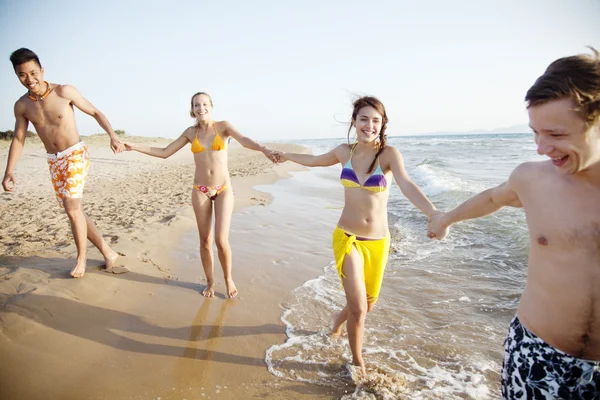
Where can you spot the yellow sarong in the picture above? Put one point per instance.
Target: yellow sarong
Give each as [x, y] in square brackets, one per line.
[374, 253]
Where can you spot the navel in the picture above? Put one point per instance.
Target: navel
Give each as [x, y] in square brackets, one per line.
[543, 241]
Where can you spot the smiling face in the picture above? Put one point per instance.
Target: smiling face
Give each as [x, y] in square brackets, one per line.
[368, 123]
[202, 107]
[31, 76]
[561, 133]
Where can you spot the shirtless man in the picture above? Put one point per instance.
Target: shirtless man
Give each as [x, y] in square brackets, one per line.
[49, 107]
[553, 345]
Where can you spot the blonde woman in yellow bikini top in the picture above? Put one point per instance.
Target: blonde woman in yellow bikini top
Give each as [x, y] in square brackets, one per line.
[212, 197]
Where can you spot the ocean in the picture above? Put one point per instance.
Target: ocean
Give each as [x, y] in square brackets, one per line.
[438, 328]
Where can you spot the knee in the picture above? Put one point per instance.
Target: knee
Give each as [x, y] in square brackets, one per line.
[206, 243]
[358, 312]
[72, 210]
[222, 244]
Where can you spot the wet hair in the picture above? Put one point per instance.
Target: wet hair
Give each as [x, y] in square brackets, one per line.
[370, 101]
[23, 55]
[192, 102]
[575, 77]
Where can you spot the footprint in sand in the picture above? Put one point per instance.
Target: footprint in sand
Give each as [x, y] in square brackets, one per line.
[117, 270]
[25, 288]
[166, 219]
[7, 276]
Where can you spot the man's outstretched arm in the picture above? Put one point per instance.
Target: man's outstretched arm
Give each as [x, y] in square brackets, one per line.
[480, 205]
[71, 93]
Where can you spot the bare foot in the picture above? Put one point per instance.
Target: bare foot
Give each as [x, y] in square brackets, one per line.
[358, 373]
[209, 291]
[110, 261]
[79, 270]
[361, 365]
[231, 289]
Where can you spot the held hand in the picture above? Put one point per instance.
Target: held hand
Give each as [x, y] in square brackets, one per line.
[9, 178]
[129, 146]
[279, 157]
[269, 154]
[433, 212]
[437, 227]
[116, 146]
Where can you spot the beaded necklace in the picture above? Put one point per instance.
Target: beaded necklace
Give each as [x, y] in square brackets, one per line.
[42, 97]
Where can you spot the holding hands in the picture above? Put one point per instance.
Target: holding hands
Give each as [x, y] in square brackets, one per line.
[129, 146]
[276, 156]
[437, 225]
[269, 154]
[116, 146]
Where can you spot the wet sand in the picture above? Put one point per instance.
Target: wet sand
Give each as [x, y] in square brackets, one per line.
[148, 333]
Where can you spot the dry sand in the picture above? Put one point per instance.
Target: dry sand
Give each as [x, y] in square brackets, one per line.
[146, 334]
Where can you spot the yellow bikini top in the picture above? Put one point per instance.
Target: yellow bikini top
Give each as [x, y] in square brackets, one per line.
[217, 144]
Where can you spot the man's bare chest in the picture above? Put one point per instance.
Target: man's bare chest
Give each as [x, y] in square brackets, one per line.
[565, 218]
[54, 113]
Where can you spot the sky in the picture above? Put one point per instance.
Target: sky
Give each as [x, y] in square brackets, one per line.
[283, 70]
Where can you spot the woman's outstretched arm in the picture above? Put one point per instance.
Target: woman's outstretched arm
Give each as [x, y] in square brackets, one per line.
[413, 193]
[161, 152]
[245, 141]
[322, 160]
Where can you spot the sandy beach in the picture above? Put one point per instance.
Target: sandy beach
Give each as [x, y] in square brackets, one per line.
[148, 333]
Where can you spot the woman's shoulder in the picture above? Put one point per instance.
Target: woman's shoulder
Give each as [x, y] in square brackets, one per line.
[389, 153]
[189, 132]
[346, 146]
[343, 148]
[223, 127]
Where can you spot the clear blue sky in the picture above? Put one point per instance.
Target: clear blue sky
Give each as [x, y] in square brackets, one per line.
[287, 70]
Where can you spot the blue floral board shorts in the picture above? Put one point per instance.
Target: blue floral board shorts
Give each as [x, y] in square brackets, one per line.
[532, 369]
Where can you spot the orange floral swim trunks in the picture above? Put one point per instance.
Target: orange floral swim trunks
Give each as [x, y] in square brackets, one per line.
[68, 170]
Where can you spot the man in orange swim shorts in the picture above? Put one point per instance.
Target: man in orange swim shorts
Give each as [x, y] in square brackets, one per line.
[49, 107]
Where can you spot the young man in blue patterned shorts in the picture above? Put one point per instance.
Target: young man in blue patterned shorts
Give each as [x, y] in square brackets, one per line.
[552, 350]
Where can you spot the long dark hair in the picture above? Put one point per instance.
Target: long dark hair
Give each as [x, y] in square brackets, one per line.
[370, 101]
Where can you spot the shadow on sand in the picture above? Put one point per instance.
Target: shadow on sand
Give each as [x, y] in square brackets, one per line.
[112, 327]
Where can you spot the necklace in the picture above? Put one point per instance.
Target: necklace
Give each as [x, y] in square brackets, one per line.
[42, 97]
